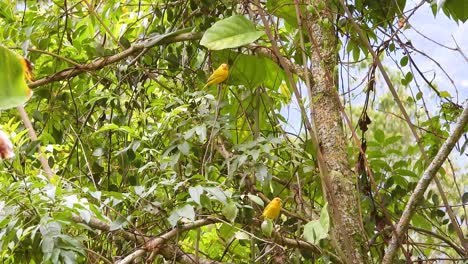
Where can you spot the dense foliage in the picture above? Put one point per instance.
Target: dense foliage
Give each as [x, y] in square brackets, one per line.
[140, 151]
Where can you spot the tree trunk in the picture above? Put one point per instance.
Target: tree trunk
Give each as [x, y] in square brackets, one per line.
[347, 224]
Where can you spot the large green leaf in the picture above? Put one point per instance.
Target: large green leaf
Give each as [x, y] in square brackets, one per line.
[251, 71]
[231, 32]
[284, 9]
[316, 230]
[14, 90]
[230, 211]
[456, 9]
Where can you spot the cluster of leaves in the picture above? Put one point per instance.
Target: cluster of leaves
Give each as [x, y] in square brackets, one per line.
[133, 152]
[139, 146]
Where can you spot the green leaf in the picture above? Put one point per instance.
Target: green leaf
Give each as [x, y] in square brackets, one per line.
[205, 202]
[201, 132]
[404, 172]
[232, 32]
[14, 90]
[68, 257]
[187, 211]
[284, 9]
[6, 11]
[435, 199]
[50, 229]
[420, 221]
[252, 71]
[47, 245]
[217, 193]
[195, 193]
[379, 136]
[457, 9]
[408, 78]
[267, 227]
[356, 53]
[316, 230]
[107, 127]
[241, 235]
[118, 223]
[230, 211]
[419, 96]
[445, 94]
[392, 140]
[284, 90]
[184, 148]
[465, 198]
[261, 173]
[404, 61]
[256, 199]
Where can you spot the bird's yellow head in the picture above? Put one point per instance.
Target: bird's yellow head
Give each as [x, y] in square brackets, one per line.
[277, 200]
[224, 66]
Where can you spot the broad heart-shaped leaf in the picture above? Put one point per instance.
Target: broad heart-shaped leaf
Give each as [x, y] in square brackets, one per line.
[13, 88]
[316, 230]
[231, 32]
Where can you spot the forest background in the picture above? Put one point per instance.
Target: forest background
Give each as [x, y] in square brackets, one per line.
[329, 105]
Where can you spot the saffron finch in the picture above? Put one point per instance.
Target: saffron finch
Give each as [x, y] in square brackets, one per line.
[218, 76]
[272, 210]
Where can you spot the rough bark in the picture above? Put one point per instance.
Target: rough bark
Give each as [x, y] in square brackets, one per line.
[326, 115]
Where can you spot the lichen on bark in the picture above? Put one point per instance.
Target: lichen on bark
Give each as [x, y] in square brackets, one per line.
[347, 223]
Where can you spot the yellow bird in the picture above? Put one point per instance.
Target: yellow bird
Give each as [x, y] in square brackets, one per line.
[218, 76]
[272, 210]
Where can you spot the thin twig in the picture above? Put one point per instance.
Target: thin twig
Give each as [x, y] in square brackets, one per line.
[32, 134]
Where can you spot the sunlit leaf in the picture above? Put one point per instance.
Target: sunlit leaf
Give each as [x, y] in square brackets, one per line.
[230, 211]
[316, 230]
[195, 193]
[267, 227]
[256, 199]
[231, 32]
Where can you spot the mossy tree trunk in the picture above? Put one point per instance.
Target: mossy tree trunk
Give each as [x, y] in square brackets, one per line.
[347, 227]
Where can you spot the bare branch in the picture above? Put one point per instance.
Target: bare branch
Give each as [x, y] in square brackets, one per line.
[422, 185]
[102, 62]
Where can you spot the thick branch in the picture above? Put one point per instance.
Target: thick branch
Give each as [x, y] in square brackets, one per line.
[423, 183]
[102, 62]
[168, 251]
[156, 243]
